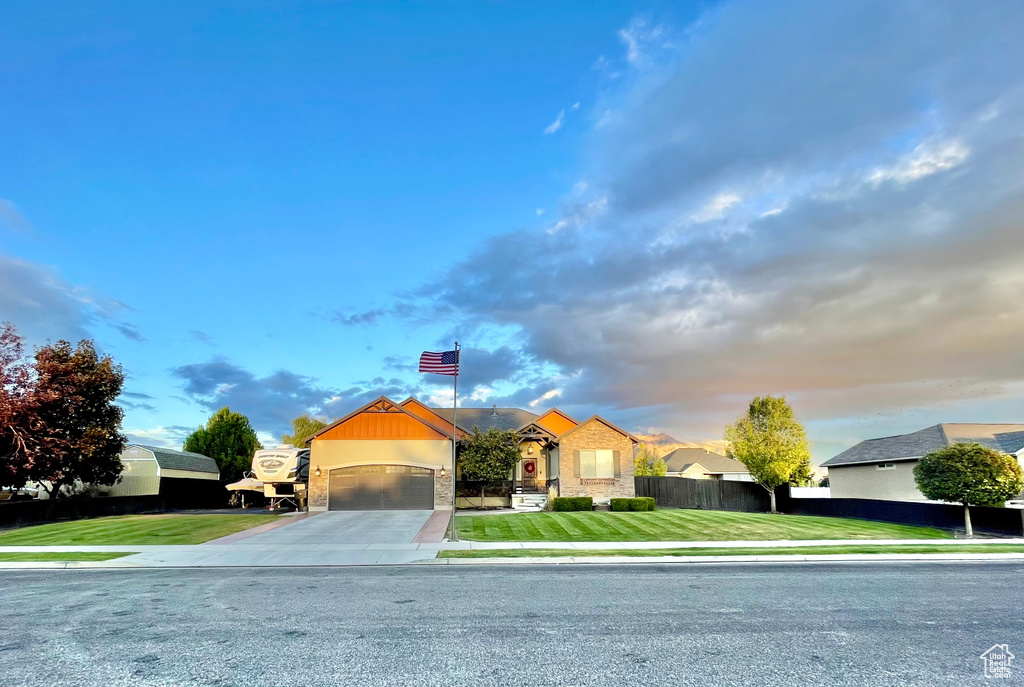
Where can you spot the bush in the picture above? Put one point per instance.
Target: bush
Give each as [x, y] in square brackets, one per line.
[620, 505]
[641, 503]
[573, 503]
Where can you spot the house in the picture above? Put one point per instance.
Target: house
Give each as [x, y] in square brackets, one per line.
[152, 470]
[389, 455]
[700, 463]
[884, 468]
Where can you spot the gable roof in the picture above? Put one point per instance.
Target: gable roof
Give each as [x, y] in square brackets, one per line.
[556, 422]
[169, 459]
[386, 405]
[713, 463]
[1008, 438]
[430, 414]
[606, 423]
[487, 418]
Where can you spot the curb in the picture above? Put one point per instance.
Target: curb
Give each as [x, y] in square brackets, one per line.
[588, 560]
[786, 558]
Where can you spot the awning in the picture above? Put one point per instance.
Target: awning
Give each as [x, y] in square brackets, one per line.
[247, 484]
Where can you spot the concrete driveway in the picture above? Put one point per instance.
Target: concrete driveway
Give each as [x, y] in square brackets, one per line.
[348, 527]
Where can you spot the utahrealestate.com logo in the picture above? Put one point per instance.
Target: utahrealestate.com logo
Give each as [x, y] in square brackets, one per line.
[997, 661]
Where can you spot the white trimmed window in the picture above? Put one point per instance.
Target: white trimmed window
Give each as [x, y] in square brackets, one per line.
[887, 466]
[597, 463]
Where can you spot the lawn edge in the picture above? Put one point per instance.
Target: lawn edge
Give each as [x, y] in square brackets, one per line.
[694, 560]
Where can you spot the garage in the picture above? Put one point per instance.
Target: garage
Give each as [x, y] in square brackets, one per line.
[381, 487]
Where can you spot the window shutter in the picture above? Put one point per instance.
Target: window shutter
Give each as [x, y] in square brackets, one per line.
[615, 460]
[576, 463]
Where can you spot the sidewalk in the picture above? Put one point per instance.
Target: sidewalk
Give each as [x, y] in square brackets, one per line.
[241, 554]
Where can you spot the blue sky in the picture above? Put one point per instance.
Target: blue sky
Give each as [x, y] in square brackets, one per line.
[651, 211]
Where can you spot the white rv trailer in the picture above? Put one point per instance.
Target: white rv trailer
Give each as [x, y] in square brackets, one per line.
[284, 472]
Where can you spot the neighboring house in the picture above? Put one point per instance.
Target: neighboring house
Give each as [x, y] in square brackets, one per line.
[389, 455]
[884, 468]
[150, 470]
[700, 463]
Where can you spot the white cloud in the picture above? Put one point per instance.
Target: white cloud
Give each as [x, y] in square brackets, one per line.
[546, 396]
[575, 106]
[555, 125]
[165, 437]
[637, 35]
[540, 211]
[580, 215]
[716, 207]
[926, 159]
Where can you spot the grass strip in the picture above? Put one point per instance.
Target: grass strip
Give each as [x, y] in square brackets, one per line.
[734, 551]
[134, 530]
[62, 557]
[679, 525]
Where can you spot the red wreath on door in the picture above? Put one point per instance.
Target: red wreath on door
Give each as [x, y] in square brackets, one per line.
[528, 468]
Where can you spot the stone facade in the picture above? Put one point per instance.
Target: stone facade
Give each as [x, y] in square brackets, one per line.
[442, 490]
[594, 434]
[316, 496]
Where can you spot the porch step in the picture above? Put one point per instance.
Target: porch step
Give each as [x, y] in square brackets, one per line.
[529, 501]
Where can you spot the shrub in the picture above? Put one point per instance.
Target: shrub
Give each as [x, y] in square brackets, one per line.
[641, 503]
[620, 504]
[573, 503]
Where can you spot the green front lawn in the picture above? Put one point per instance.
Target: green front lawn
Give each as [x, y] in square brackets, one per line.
[678, 525]
[738, 551]
[134, 529]
[47, 557]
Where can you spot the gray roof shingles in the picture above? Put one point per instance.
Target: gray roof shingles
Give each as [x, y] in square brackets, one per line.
[682, 458]
[486, 418]
[1007, 438]
[169, 459]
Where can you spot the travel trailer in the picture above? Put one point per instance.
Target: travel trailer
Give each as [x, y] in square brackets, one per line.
[284, 473]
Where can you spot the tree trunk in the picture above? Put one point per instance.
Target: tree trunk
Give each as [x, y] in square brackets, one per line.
[483, 488]
[967, 521]
[771, 493]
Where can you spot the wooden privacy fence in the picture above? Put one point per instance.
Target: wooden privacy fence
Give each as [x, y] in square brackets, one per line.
[706, 494]
[998, 521]
[175, 494]
[710, 494]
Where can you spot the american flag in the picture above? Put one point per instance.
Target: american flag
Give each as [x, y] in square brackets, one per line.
[446, 363]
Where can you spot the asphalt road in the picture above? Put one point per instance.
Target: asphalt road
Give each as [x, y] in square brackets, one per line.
[707, 625]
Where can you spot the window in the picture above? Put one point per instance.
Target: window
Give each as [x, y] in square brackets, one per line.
[887, 466]
[597, 464]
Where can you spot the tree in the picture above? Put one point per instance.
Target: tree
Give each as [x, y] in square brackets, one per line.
[770, 441]
[488, 456]
[303, 427]
[803, 475]
[21, 429]
[229, 439]
[648, 463]
[823, 482]
[74, 394]
[971, 474]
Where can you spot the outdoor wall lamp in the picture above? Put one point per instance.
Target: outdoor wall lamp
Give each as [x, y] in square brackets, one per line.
[442, 471]
[317, 471]
[529, 449]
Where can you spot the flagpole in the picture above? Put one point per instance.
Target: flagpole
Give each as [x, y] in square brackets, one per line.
[452, 536]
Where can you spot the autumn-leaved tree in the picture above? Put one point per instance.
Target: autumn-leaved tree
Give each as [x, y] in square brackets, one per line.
[75, 389]
[488, 457]
[970, 474]
[648, 463]
[229, 439]
[303, 427]
[22, 434]
[770, 441]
